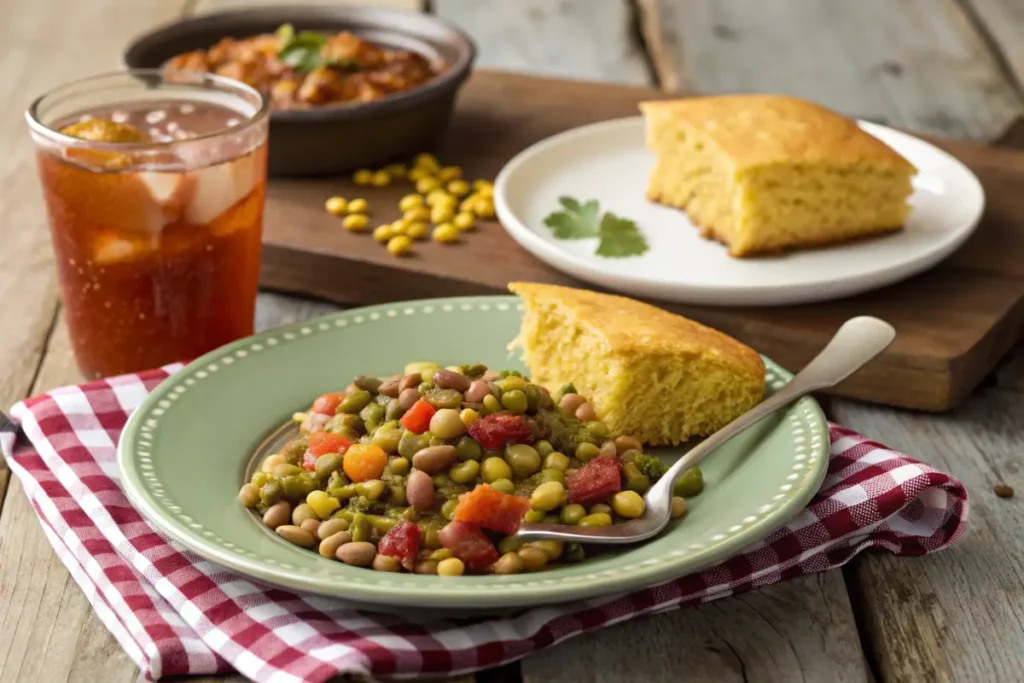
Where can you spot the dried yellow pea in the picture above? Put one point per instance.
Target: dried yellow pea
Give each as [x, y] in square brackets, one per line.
[399, 245]
[358, 206]
[445, 233]
[336, 206]
[363, 176]
[356, 222]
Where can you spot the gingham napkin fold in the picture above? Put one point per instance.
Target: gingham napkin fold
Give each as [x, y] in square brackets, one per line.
[176, 613]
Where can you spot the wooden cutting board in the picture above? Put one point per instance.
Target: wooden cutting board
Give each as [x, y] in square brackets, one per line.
[954, 322]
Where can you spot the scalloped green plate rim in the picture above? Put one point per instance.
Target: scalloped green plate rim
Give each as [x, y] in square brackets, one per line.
[183, 454]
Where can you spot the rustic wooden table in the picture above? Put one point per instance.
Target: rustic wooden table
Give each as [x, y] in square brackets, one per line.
[947, 67]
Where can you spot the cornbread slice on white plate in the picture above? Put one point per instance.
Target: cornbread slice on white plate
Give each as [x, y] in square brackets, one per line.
[609, 163]
[649, 373]
[764, 173]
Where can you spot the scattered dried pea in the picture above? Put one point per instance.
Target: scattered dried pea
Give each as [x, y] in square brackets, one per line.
[416, 230]
[464, 221]
[437, 196]
[396, 170]
[418, 173]
[356, 222]
[486, 190]
[409, 202]
[459, 188]
[442, 213]
[336, 206]
[383, 233]
[381, 179]
[449, 173]
[399, 245]
[484, 207]
[480, 182]
[418, 213]
[363, 176]
[427, 160]
[427, 183]
[445, 233]
[358, 206]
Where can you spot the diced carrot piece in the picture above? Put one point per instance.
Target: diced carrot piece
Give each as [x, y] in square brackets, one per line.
[364, 462]
[326, 442]
[417, 418]
[328, 403]
[492, 509]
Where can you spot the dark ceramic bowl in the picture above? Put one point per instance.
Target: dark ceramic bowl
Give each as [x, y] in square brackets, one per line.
[341, 137]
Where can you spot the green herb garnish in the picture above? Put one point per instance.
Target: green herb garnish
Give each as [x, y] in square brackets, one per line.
[301, 50]
[619, 237]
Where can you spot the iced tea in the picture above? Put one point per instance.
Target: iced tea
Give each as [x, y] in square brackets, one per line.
[154, 184]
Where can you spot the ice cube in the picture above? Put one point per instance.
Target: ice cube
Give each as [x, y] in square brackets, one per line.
[218, 188]
[170, 191]
[110, 248]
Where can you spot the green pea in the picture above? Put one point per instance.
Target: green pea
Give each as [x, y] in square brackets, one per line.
[586, 451]
[467, 448]
[493, 469]
[509, 544]
[544, 447]
[345, 423]
[360, 527]
[515, 401]
[690, 483]
[372, 489]
[635, 479]
[430, 531]
[474, 370]
[297, 487]
[397, 497]
[373, 415]
[534, 516]
[464, 472]
[598, 430]
[393, 411]
[410, 444]
[596, 519]
[271, 492]
[573, 552]
[503, 485]
[533, 398]
[294, 451]
[381, 524]
[441, 480]
[511, 383]
[491, 404]
[569, 388]
[444, 398]
[342, 492]
[387, 439]
[448, 509]
[260, 478]
[556, 461]
[399, 466]
[327, 463]
[523, 459]
[552, 475]
[572, 514]
[355, 401]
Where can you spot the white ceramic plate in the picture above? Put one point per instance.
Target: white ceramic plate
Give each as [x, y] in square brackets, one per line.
[608, 161]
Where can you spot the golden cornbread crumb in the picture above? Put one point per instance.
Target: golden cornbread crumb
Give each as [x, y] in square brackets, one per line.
[648, 373]
[763, 173]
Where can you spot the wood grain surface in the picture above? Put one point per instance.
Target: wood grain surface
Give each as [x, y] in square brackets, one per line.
[954, 616]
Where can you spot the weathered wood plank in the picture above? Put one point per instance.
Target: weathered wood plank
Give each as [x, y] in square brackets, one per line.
[957, 615]
[587, 39]
[203, 6]
[1002, 22]
[796, 630]
[917, 63]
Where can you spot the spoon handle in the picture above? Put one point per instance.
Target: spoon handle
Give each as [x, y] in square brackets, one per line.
[854, 344]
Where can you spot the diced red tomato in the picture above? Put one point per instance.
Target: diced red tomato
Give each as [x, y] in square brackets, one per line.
[492, 432]
[595, 482]
[417, 418]
[328, 403]
[490, 508]
[468, 543]
[403, 542]
[320, 443]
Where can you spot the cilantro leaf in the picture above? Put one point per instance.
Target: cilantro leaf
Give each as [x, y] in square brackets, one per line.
[620, 237]
[576, 221]
[302, 51]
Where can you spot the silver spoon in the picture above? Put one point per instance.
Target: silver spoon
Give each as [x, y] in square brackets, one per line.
[854, 344]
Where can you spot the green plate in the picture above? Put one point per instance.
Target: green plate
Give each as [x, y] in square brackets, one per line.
[184, 454]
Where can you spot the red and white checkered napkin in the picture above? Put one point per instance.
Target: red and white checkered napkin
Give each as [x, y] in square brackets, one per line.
[175, 613]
